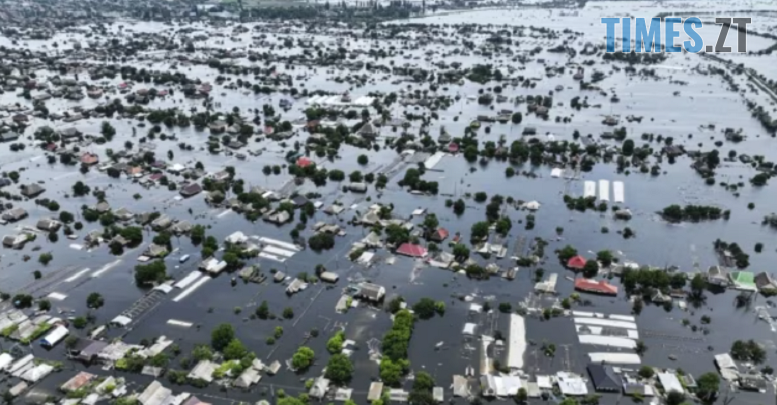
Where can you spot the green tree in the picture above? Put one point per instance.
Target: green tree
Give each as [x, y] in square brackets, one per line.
[302, 358]
[335, 343]
[108, 131]
[423, 381]
[605, 256]
[45, 258]
[263, 310]
[698, 284]
[460, 251]
[641, 347]
[44, 305]
[675, 398]
[222, 336]
[94, 301]
[431, 223]
[707, 386]
[202, 352]
[133, 234]
[591, 269]
[459, 206]
[80, 189]
[66, 217]
[628, 147]
[522, 396]
[150, 273]
[678, 280]
[197, 234]
[396, 234]
[566, 253]
[425, 308]
[289, 400]
[80, 322]
[235, 350]
[390, 372]
[339, 369]
[479, 231]
[646, 372]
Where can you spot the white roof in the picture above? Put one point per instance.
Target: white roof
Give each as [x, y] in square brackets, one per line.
[556, 172]
[55, 336]
[237, 237]
[606, 322]
[611, 341]
[507, 385]
[615, 358]
[122, 320]
[37, 373]
[544, 382]
[571, 384]
[154, 394]
[19, 364]
[5, 360]
[473, 307]
[203, 370]
[517, 342]
[724, 361]
[670, 382]
[469, 328]
[532, 205]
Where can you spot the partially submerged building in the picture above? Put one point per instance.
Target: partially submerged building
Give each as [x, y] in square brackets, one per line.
[371, 292]
[601, 287]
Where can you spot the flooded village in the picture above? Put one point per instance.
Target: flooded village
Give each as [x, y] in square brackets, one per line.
[383, 202]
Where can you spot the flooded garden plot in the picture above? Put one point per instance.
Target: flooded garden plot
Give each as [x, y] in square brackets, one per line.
[422, 210]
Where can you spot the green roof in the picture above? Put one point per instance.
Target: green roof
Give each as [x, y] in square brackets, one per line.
[743, 278]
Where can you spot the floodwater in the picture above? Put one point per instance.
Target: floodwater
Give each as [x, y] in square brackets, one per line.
[702, 101]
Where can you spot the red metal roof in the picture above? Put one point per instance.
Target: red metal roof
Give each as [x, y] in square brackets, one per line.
[453, 148]
[409, 249]
[597, 287]
[304, 162]
[442, 233]
[576, 262]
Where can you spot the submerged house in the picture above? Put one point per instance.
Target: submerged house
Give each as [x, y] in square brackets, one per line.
[32, 190]
[48, 225]
[576, 263]
[718, 276]
[15, 241]
[439, 235]
[371, 292]
[604, 378]
[743, 280]
[412, 250]
[15, 214]
[190, 190]
[596, 287]
[765, 283]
